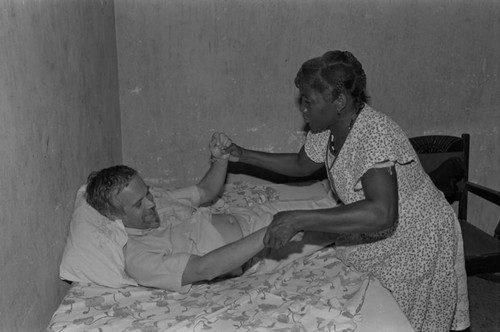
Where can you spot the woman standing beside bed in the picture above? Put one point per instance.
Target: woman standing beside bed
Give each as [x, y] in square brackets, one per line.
[393, 222]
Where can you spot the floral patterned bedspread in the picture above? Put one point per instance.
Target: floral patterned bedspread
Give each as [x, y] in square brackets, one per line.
[244, 194]
[314, 293]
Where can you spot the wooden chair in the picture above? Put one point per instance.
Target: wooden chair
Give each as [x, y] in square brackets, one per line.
[446, 160]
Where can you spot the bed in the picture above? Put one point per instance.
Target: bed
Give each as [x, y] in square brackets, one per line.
[305, 292]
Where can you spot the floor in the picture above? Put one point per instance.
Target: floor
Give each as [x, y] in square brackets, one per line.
[484, 304]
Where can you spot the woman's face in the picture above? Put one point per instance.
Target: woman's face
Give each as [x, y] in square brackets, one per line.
[318, 112]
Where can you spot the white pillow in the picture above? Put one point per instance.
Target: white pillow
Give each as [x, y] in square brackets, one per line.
[94, 248]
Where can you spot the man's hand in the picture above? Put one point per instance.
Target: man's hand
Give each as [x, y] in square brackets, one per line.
[229, 150]
[218, 145]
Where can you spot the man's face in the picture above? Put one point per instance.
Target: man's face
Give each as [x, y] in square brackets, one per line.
[138, 205]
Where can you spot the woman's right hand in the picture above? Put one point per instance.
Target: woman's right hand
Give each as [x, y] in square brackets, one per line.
[234, 151]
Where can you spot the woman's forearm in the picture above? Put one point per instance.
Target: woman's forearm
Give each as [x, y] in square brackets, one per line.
[378, 211]
[290, 164]
[360, 217]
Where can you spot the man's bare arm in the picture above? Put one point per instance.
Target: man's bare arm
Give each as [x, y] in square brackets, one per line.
[213, 182]
[224, 259]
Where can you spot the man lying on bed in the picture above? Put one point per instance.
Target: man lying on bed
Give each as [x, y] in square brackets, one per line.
[173, 243]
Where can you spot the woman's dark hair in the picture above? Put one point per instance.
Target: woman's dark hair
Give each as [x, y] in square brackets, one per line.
[338, 70]
[104, 185]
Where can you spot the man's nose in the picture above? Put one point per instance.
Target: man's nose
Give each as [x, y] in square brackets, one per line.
[149, 203]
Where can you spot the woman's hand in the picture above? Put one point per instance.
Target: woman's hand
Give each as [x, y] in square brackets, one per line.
[218, 145]
[235, 152]
[282, 229]
[227, 148]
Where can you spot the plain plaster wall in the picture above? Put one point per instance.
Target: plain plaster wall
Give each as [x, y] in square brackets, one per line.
[59, 120]
[189, 68]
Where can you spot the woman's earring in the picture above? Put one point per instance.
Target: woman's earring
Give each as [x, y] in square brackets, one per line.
[339, 103]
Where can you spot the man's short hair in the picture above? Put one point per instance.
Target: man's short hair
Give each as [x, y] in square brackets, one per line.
[103, 186]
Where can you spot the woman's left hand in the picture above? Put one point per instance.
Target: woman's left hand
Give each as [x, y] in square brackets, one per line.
[281, 230]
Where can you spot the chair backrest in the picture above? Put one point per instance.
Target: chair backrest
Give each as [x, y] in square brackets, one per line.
[446, 160]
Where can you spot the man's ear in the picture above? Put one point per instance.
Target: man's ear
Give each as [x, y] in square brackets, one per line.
[114, 209]
[113, 213]
[111, 216]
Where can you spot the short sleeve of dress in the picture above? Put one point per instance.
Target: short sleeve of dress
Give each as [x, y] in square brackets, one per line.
[378, 142]
[316, 145]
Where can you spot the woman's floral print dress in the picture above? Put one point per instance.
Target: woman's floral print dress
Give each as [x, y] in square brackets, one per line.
[417, 258]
